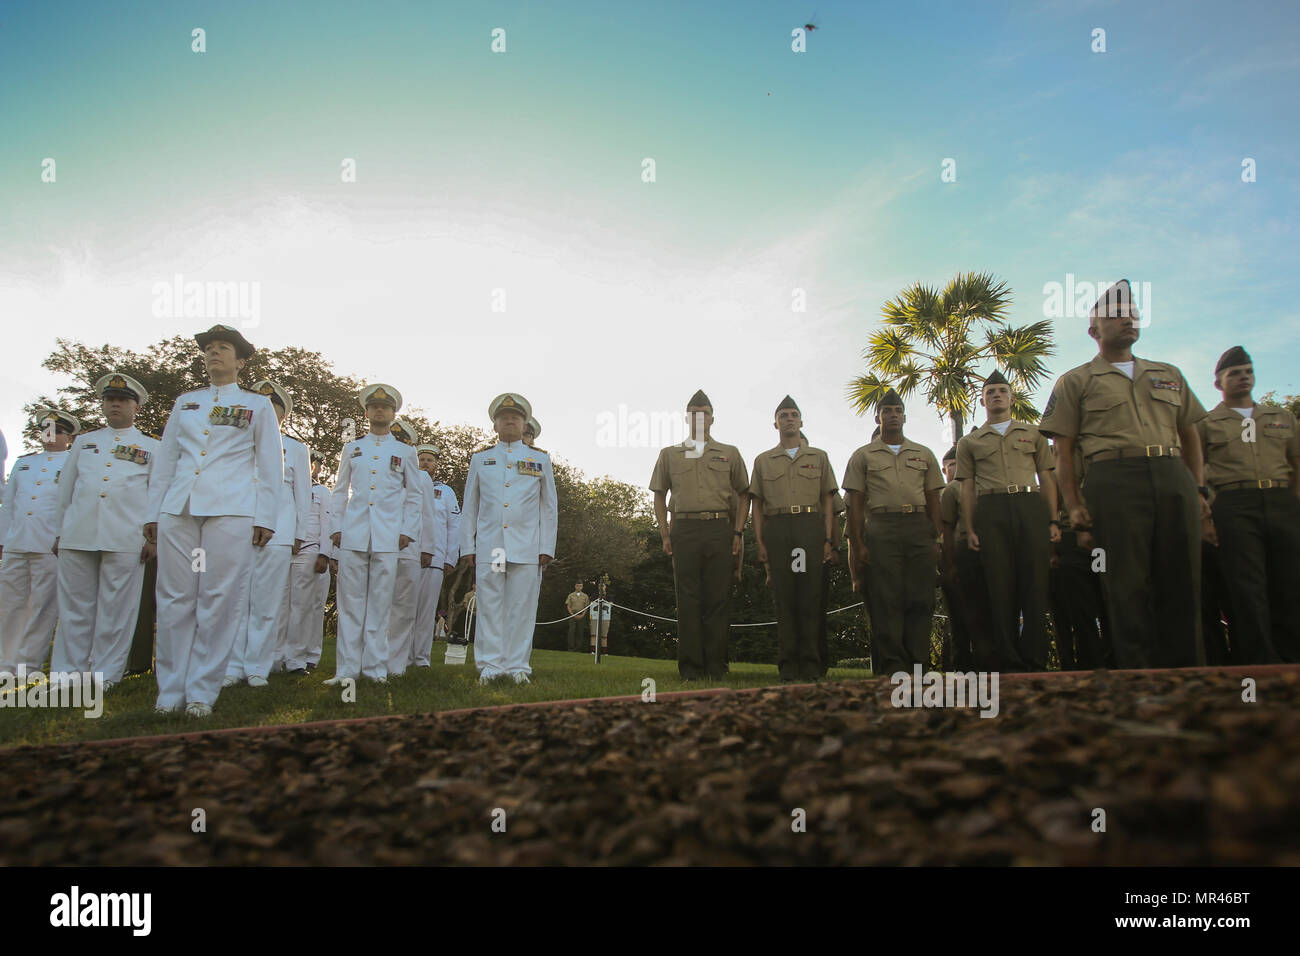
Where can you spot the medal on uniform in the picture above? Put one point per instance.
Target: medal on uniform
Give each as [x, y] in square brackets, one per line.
[395, 463]
[529, 467]
[131, 453]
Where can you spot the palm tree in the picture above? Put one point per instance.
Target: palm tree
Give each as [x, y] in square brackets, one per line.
[927, 343]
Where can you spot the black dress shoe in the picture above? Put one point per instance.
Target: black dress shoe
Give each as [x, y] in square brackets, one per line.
[310, 668]
[298, 672]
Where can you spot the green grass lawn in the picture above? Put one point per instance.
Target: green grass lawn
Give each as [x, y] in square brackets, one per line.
[557, 675]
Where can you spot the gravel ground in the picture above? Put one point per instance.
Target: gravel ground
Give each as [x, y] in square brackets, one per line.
[1186, 773]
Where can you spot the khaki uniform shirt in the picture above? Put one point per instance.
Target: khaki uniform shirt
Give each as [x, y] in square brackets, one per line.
[995, 461]
[893, 481]
[1098, 405]
[710, 482]
[781, 482]
[950, 509]
[577, 601]
[1229, 457]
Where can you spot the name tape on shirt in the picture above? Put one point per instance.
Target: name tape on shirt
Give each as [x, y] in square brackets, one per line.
[190, 407]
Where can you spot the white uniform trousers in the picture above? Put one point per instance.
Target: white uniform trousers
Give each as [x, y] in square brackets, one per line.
[365, 586]
[306, 617]
[29, 609]
[317, 639]
[401, 620]
[99, 601]
[426, 615]
[257, 648]
[199, 612]
[507, 615]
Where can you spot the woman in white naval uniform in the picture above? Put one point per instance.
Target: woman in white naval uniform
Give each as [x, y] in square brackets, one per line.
[446, 517]
[309, 582]
[508, 533]
[103, 504]
[380, 518]
[411, 564]
[29, 591]
[257, 647]
[205, 508]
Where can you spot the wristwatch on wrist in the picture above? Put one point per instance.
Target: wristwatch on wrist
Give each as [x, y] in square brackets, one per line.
[1205, 492]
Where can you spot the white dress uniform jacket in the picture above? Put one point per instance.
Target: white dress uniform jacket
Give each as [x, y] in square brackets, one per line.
[510, 503]
[382, 475]
[104, 490]
[215, 440]
[448, 510]
[294, 502]
[29, 513]
[316, 538]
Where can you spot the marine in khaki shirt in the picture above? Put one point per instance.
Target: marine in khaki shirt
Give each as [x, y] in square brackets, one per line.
[708, 485]
[1252, 458]
[1134, 420]
[897, 482]
[1002, 466]
[791, 493]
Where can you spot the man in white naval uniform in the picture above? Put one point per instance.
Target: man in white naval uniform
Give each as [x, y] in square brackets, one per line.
[103, 504]
[29, 604]
[309, 582]
[412, 562]
[380, 519]
[205, 507]
[508, 534]
[446, 512]
[257, 648]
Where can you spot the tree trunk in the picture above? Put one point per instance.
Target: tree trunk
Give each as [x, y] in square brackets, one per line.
[958, 423]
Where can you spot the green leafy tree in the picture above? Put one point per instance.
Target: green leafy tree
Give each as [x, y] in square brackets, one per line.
[934, 342]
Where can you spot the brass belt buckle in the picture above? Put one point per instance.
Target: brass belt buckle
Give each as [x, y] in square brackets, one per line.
[1012, 489]
[908, 509]
[1158, 453]
[795, 509]
[1266, 483]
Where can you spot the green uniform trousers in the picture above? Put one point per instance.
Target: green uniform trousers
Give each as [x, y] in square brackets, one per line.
[973, 597]
[900, 590]
[141, 656]
[1216, 609]
[1259, 552]
[1146, 518]
[1015, 552]
[795, 545]
[1078, 613]
[702, 568]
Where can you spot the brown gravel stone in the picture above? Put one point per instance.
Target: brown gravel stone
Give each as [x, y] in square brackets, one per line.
[1186, 773]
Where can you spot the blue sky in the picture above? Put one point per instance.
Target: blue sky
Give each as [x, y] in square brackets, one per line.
[521, 171]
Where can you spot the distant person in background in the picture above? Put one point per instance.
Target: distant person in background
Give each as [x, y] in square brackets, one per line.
[576, 603]
[600, 611]
[4, 457]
